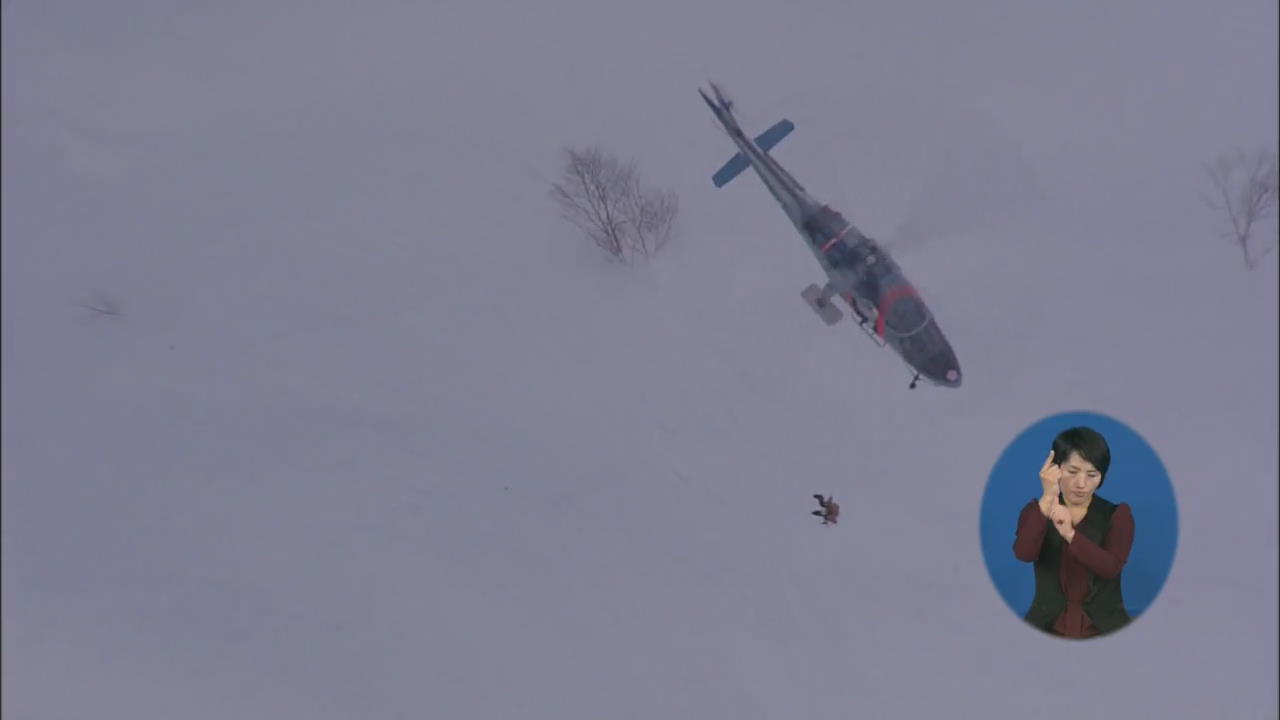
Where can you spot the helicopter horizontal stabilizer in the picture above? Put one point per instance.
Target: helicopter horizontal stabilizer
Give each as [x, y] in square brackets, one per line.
[766, 140]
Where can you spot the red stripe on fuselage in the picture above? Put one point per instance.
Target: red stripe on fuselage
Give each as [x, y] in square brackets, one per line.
[895, 293]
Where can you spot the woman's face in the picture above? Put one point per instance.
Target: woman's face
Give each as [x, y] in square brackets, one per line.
[1078, 480]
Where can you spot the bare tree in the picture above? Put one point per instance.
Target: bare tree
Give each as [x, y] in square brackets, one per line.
[604, 198]
[1245, 192]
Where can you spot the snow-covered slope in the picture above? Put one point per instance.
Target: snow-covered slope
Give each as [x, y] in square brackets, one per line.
[376, 435]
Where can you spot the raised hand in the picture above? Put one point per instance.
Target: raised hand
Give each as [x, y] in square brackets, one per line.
[1049, 476]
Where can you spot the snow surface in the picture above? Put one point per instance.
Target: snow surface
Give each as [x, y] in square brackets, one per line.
[376, 435]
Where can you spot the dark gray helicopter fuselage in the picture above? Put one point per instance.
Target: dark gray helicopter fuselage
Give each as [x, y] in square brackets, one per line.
[858, 269]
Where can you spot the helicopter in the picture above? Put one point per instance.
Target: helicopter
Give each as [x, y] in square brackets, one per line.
[858, 270]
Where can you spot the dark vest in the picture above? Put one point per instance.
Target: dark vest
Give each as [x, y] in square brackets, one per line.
[1103, 604]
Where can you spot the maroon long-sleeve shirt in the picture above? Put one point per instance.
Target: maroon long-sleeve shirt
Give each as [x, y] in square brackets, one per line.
[1079, 558]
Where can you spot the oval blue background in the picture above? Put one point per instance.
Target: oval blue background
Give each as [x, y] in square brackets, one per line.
[1136, 477]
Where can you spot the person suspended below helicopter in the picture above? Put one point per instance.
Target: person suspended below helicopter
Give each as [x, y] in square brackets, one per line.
[830, 512]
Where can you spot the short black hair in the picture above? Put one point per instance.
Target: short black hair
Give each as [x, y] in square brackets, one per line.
[1089, 443]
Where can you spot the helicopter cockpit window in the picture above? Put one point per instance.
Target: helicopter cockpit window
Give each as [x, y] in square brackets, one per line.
[907, 316]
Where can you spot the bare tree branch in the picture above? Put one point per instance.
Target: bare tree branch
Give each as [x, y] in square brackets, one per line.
[1245, 189]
